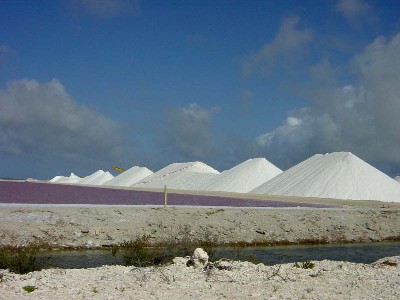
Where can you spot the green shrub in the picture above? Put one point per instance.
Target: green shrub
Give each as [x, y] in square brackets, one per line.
[22, 260]
[29, 288]
[138, 253]
[305, 265]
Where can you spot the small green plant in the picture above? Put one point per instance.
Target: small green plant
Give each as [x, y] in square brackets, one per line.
[94, 290]
[138, 253]
[304, 265]
[29, 288]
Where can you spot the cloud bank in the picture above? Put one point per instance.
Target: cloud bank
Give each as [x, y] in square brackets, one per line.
[41, 121]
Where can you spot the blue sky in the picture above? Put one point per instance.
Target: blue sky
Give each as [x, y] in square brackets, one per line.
[86, 84]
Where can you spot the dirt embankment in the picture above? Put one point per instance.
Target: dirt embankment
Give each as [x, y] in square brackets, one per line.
[100, 226]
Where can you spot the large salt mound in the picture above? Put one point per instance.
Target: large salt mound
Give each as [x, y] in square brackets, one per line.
[244, 177]
[397, 178]
[339, 175]
[97, 178]
[130, 176]
[182, 176]
[72, 178]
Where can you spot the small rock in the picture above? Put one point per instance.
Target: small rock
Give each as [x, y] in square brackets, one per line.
[180, 260]
[223, 265]
[199, 259]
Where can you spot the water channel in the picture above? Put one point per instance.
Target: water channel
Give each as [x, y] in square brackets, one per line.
[361, 253]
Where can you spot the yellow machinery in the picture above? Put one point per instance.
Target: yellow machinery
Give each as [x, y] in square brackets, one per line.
[118, 169]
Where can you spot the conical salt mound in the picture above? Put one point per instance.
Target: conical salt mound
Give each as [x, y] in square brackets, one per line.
[130, 176]
[182, 176]
[339, 175]
[397, 178]
[244, 177]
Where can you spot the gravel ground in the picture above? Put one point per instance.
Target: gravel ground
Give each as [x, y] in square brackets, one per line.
[239, 280]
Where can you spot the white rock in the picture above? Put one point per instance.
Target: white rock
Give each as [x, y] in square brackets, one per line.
[199, 258]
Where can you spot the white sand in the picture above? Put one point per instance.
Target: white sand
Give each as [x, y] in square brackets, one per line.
[244, 177]
[130, 176]
[339, 175]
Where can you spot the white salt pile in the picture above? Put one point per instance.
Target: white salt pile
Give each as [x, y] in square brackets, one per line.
[54, 179]
[244, 177]
[339, 175]
[72, 178]
[97, 178]
[130, 176]
[183, 176]
[397, 178]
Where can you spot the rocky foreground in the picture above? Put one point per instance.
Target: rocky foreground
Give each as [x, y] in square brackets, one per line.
[203, 280]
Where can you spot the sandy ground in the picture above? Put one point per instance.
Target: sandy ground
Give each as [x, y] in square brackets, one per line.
[99, 226]
[242, 280]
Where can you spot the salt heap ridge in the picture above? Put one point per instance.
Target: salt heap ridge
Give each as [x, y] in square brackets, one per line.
[181, 176]
[130, 176]
[339, 175]
[244, 177]
[72, 178]
[397, 178]
[97, 178]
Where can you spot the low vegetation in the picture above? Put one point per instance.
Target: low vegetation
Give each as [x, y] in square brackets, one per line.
[305, 265]
[29, 288]
[23, 260]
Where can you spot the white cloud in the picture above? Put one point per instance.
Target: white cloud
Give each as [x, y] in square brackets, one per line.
[288, 42]
[187, 133]
[103, 8]
[362, 117]
[355, 11]
[40, 120]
